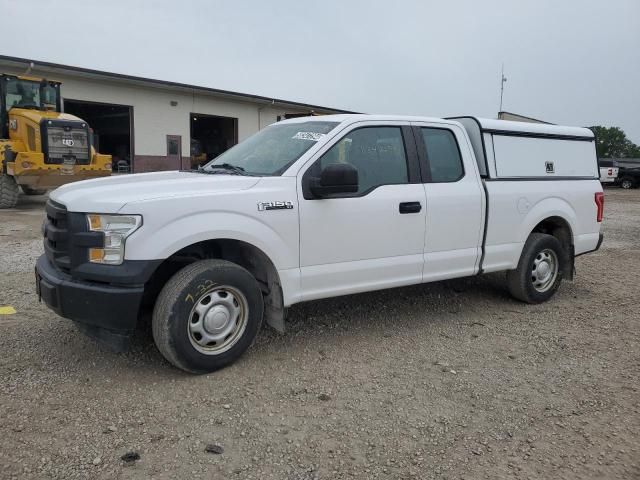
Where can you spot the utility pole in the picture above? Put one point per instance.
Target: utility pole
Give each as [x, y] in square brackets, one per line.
[503, 80]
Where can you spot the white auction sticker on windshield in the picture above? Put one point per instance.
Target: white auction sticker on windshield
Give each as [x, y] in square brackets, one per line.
[313, 136]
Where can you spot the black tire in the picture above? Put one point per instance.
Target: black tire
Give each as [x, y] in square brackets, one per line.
[175, 309]
[521, 280]
[627, 183]
[33, 191]
[8, 191]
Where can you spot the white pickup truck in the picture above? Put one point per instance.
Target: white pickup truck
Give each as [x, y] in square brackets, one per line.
[608, 171]
[312, 208]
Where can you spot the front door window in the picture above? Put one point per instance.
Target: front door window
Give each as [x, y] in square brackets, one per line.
[377, 153]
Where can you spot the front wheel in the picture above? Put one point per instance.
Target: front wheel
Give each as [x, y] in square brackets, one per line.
[540, 269]
[207, 315]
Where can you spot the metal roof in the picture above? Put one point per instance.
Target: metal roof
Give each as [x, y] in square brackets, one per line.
[17, 62]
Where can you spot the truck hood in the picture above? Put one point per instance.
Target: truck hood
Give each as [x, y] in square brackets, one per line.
[108, 195]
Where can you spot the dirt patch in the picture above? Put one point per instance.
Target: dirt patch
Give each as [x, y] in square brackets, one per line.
[446, 380]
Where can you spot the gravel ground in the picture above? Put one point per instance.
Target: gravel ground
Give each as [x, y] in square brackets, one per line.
[448, 380]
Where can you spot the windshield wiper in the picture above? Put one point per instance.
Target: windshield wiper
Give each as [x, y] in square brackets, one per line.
[224, 168]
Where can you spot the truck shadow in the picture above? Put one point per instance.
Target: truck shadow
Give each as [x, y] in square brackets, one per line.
[403, 306]
[427, 309]
[407, 307]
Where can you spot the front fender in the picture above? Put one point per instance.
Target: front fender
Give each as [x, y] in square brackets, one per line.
[155, 241]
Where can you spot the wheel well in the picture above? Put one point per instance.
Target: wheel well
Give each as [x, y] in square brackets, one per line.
[559, 228]
[241, 253]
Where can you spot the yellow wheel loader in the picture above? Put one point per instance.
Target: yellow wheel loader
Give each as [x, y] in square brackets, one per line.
[40, 147]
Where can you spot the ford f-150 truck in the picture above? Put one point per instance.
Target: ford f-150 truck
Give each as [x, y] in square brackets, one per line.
[312, 208]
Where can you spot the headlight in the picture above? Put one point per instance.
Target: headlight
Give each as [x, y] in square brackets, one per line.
[116, 229]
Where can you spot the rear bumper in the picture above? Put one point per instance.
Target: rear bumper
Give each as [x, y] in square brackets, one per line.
[107, 313]
[600, 240]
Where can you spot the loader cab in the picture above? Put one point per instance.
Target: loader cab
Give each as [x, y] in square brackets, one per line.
[28, 93]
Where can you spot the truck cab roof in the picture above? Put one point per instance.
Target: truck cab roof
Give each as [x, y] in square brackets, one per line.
[486, 135]
[487, 124]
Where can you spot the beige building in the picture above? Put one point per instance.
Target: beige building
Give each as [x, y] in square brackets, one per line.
[149, 124]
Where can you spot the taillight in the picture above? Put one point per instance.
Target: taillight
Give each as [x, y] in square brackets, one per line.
[599, 198]
[610, 173]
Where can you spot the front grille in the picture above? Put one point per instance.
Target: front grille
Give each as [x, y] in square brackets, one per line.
[56, 235]
[66, 142]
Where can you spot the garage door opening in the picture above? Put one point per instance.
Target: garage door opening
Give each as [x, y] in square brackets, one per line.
[210, 136]
[111, 125]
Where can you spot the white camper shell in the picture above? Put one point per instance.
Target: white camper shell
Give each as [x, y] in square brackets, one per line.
[512, 150]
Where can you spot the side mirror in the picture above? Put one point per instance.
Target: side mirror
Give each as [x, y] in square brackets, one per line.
[335, 178]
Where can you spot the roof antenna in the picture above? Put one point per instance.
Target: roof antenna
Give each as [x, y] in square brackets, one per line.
[503, 80]
[31, 65]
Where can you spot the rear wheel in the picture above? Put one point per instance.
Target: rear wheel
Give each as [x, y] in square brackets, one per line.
[627, 183]
[33, 191]
[540, 269]
[207, 315]
[8, 191]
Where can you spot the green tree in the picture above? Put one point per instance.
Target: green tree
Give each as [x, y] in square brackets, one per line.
[612, 142]
[634, 151]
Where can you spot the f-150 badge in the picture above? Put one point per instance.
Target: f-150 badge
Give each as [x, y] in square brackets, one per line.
[275, 206]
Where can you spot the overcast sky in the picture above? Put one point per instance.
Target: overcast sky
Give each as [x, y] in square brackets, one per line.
[574, 62]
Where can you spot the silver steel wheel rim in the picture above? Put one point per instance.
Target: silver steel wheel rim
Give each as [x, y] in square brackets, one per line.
[217, 320]
[544, 270]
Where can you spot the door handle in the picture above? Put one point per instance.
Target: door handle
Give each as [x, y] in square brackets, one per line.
[410, 207]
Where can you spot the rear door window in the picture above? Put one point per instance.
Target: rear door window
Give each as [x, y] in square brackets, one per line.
[443, 155]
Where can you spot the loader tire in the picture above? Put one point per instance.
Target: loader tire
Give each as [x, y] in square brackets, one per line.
[8, 191]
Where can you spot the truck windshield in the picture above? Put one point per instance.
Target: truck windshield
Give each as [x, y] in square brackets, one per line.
[29, 94]
[272, 150]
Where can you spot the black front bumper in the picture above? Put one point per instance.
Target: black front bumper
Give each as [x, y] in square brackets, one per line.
[105, 312]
